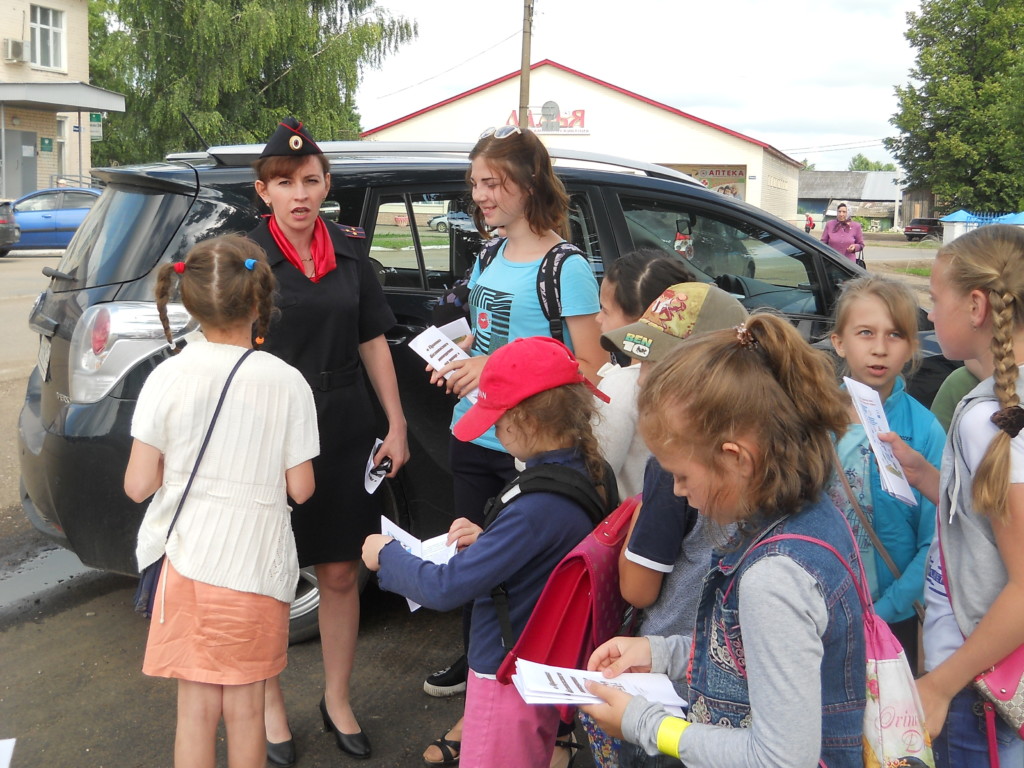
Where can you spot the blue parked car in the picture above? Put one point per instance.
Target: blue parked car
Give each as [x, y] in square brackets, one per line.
[48, 218]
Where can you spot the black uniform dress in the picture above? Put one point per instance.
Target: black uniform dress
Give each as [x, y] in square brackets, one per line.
[319, 332]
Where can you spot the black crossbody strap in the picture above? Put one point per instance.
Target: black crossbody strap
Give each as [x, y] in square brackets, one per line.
[206, 440]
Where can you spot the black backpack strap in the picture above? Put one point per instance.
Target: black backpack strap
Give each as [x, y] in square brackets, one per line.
[490, 251]
[548, 478]
[454, 303]
[549, 286]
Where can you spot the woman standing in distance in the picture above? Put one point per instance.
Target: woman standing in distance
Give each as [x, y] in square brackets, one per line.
[844, 234]
[516, 191]
[332, 323]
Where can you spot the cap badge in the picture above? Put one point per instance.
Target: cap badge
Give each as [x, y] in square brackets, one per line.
[637, 346]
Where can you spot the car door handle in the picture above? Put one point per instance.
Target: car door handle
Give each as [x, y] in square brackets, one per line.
[401, 332]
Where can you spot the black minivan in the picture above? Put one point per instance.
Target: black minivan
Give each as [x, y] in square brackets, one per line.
[99, 335]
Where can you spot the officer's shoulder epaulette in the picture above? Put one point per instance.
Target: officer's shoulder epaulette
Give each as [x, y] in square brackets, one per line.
[350, 231]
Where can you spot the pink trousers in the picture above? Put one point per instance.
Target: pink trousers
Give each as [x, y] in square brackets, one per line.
[502, 729]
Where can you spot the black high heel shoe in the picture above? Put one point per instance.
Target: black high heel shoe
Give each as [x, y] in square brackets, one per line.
[355, 744]
[281, 754]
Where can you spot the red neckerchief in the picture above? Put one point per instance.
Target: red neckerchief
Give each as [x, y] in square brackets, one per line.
[319, 248]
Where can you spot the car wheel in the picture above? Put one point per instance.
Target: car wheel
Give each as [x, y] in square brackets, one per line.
[441, 226]
[304, 617]
[4, 252]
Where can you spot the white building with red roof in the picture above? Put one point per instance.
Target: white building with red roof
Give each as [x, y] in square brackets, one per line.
[573, 110]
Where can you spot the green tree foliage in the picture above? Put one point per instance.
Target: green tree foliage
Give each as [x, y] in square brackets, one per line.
[808, 166]
[860, 163]
[960, 120]
[234, 67]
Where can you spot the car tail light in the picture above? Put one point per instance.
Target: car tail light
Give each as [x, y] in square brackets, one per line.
[101, 331]
[111, 339]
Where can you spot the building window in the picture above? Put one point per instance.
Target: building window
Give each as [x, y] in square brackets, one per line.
[47, 37]
[62, 138]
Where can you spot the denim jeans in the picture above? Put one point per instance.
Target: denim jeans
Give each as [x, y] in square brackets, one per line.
[963, 742]
[632, 756]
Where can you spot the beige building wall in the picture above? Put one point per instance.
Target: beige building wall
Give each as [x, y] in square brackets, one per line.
[74, 148]
[779, 185]
[609, 121]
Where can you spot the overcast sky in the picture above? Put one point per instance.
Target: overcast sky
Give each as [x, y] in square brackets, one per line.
[813, 79]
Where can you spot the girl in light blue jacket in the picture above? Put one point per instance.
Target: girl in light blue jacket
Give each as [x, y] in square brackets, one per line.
[876, 335]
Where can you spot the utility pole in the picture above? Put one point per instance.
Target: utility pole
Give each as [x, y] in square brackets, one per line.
[524, 70]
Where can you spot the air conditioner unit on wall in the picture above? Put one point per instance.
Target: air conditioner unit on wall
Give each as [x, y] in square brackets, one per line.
[17, 50]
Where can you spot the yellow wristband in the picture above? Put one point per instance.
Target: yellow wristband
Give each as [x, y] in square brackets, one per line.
[669, 731]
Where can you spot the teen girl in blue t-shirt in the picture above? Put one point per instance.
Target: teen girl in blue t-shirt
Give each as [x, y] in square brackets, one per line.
[516, 192]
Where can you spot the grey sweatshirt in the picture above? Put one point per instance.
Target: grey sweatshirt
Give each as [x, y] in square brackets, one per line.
[784, 617]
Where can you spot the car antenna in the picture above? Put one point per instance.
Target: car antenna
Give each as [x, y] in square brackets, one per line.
[195, 130]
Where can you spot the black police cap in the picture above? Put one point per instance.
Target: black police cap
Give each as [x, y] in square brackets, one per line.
[291, 139]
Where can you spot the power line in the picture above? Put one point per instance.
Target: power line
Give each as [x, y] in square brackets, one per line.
[838, 147]
[454, 66]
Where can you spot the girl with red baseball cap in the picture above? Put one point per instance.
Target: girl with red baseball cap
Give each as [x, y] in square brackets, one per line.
[542, 407]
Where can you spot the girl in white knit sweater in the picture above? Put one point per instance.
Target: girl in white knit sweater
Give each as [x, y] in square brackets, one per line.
[220, 623]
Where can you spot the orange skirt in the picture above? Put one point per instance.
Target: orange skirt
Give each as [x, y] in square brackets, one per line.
[214, 635]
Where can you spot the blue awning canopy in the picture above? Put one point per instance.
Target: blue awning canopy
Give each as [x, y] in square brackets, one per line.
[960, 215]
[1010, 218]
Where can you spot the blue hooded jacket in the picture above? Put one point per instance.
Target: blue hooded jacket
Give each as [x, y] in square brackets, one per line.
[905, 531]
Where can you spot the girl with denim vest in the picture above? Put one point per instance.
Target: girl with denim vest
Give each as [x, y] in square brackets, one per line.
[744, 419]
[974, 588]
[875, 334]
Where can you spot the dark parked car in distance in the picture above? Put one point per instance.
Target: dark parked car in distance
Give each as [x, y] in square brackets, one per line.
[923, 229]
[99, 334]
[10, 233]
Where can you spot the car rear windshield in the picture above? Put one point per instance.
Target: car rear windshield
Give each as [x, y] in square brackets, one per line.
[122, 237]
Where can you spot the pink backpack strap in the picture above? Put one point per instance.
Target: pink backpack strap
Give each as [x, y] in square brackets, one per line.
[865, 602]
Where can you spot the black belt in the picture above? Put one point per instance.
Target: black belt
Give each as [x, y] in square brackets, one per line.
[325, 381]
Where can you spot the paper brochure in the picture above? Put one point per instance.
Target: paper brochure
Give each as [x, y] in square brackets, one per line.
[543, 684]
[439, 350]
[872, 416]
[435, 550]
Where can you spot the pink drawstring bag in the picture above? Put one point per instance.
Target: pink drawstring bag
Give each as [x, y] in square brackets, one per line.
[894, 732]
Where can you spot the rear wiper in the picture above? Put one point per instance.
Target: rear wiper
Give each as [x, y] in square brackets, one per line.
[51, 272]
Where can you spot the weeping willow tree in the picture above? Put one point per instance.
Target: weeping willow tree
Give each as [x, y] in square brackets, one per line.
[233, 67]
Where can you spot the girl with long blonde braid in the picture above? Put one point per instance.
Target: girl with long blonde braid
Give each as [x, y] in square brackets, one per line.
[974, 589]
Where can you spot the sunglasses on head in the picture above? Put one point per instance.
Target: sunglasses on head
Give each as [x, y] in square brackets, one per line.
[500, 133]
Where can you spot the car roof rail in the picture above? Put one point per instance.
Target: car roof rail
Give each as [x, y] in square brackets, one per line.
[238, 155]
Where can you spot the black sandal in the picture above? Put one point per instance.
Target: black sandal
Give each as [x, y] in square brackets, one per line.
[572, 745]
[449, 748]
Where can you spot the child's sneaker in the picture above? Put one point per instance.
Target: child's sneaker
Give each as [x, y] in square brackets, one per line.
[448, 681]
